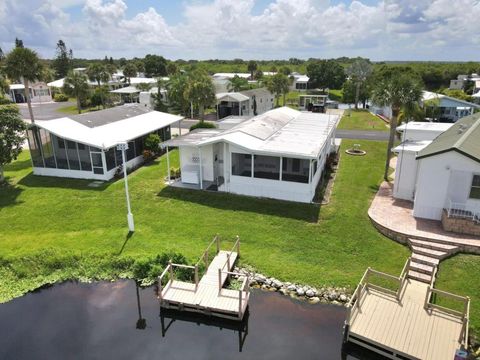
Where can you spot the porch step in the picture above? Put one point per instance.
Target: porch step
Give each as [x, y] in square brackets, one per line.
[434, 245]
[427, 260]
[420, 276]
[429, 252]
[421, 268]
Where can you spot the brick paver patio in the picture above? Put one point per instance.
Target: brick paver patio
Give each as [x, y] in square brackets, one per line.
[397, 216]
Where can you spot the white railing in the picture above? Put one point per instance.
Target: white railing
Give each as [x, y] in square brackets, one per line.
[462, 210]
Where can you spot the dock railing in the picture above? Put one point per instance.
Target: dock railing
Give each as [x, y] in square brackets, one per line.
[205, 256]
[368, 282]
[431, 299]
[170, 270]
[243, 290]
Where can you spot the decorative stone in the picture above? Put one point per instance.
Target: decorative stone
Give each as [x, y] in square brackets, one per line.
[292, 288]
[277, 283]
[314, 300]
[343, 298]
[310, 293]
[300, 292]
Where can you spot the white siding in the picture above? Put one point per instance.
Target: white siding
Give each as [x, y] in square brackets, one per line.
[405, 176]
[438, 179]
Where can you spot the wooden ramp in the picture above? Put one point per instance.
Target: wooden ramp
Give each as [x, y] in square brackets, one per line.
[405, 322]
[207, 295]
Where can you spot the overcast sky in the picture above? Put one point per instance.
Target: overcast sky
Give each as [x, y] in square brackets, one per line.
[248, 29]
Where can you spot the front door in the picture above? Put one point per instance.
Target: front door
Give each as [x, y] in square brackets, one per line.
[97, 162]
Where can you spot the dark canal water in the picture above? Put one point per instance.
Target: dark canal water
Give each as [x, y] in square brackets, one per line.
[102, 321]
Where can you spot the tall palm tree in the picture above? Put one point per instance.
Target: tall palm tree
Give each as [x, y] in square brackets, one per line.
[359, 72]
[252, 67]
[400, 92]
[76, 84]
[23, 63]
[98, 72]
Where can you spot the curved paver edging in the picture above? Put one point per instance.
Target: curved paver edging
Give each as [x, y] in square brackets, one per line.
[356, 152]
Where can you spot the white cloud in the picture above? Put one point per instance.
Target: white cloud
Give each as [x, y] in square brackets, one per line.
[390, 29]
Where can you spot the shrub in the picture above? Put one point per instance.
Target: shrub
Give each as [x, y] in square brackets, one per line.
[147, 155]
[152, 142]
[60, 98]
[5, 101]
[174, 172]
[202, 125]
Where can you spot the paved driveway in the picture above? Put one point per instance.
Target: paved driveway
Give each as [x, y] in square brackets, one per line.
[45, 111]
[362, 135]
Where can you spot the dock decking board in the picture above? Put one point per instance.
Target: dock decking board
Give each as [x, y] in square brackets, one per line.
[209, 296]
[404, 326]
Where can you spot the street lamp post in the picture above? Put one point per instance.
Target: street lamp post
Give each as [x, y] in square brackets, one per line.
[124, 147]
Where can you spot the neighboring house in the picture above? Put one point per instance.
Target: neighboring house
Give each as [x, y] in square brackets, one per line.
[299, 82]
[39, 92]
[244, 103]
[242, 75]
[458, 83]
[446, 108]
[221, 85]
[315, 103]
[280, 154]
[84, 146]
[415, 136]
[442, 176]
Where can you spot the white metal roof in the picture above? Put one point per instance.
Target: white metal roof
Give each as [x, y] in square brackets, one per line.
[111, 134]
[57, 83]
[126, 90]
[231, 96]
[301, 78]
[139, 80]
[193, 138]
[17, 86]
[281, 131]
[424, 126]
[411, 146]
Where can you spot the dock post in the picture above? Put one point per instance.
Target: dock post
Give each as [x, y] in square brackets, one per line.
[219, 280]
[171, 270]
[160, 288]
[196, 277]
[238, 245]
[240, 303]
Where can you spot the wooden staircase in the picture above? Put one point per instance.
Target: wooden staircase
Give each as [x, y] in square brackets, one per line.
[426, 255]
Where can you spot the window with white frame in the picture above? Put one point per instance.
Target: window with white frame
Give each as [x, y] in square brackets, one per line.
[475, 188]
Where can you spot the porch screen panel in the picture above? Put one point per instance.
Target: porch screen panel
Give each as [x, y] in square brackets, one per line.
[84, 155]
[110, 158]
[47, 149]
[72, 155]
[139, 146]
[295, 170]
[130, 153]
[266, 167]
[60, 150]
[35, 152]
[242, 164]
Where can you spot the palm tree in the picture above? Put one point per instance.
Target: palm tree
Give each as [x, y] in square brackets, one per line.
[200, 91]
[98, 72]
[129, 71]
[237, 83]
[278, 85]
[76, 84]
[359, 72]
[252, 67]
[400, 91]
[23, 63]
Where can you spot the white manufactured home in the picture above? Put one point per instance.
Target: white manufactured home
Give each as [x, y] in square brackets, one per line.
[280, 154]
[442, 173]
[85, 146]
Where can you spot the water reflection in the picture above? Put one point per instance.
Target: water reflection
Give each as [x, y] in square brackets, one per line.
[103, 321]
[168, 317]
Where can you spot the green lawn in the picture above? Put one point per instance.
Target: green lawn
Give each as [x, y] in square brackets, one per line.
[335, 94]
[43, 219]
[361, 120]
[72, 109]
[460, 275]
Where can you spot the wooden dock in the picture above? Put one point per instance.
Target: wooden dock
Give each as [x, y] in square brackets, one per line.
[207, 295]
[401, 320]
